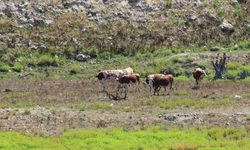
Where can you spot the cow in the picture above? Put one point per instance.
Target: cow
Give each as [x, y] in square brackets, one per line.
[149, 80]
[198, 74]
[164, 81]
[111, 75]
[125, 81]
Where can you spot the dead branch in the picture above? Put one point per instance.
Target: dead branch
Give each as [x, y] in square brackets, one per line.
[117, 96]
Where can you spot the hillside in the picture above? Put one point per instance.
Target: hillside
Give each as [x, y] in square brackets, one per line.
[121, 27]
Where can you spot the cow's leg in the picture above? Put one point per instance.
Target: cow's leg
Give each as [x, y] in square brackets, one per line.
[197, 83]
[126, 90]
[155, 88]
[104, 85]
[170, 87]
[138, 83]
[200, 83]
[158, 91]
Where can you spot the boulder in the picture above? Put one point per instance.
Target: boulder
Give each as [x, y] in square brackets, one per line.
[226, 27]
[81, 57]
[214, 48]
[41, 22]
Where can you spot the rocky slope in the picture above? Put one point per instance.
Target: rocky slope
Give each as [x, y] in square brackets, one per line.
[163, 22]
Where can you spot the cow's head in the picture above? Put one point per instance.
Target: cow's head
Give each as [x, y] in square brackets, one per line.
[145, 83]
[204, 73]
[100, 76]
[117, 81]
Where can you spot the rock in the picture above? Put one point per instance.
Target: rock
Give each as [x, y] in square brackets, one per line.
[41, 22]
[42, 47]
[226, 27]
[211, 16]
[81, 57]
[237, 96]
[33, 47]
[214, 48]
[190, 16]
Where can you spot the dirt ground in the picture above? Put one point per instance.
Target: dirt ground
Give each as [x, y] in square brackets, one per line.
[53, 106]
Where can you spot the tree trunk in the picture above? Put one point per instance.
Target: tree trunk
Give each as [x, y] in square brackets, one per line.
[220, 67]
[243, 75]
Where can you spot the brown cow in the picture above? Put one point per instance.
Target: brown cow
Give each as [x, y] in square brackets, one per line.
[125, 81]
[198, 74]
[164, 81]
[149, 80]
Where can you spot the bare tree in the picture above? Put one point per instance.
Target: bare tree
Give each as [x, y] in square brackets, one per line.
[220, 66]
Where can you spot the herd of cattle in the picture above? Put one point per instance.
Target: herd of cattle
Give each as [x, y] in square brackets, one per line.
[126, 76]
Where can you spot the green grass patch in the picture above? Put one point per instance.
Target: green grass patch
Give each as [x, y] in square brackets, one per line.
[153, 137]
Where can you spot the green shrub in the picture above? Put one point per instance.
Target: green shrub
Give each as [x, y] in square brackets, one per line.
[18, 67]
[4, 67]
[244, 44]
[182, 78]
[231, 66]
[189, 59]
[75, 69]
[175, 59]
[232, 74]
[45, 60]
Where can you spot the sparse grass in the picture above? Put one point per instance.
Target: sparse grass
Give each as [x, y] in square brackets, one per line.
[20, 95]
[27, 111]
[100, 106]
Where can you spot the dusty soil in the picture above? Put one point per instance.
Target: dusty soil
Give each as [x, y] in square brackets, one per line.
[54, 106]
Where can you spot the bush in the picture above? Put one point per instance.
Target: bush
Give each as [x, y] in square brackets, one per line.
[189, 59]
[175, 59]
[182, 78]
[231, 66]
[75, 69]
[244, 44]
[18, 67]
[4, 67]
[47, 60]
[232, 74]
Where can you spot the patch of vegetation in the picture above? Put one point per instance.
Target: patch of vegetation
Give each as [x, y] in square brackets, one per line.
[20, 95]
[116, 138]
[27, 111]
[100, 106]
